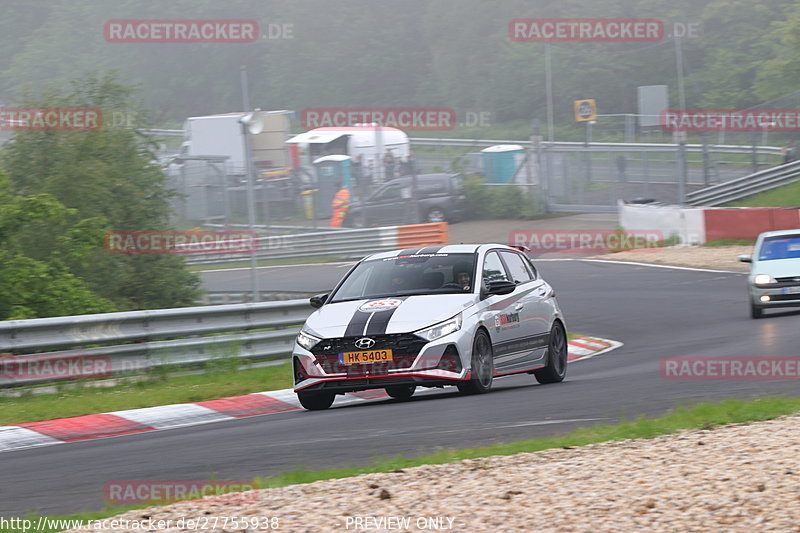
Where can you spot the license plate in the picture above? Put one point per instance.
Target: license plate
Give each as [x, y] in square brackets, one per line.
[368, 356]
[791, 290]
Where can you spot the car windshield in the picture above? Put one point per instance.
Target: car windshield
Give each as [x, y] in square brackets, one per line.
[780, 247]
[407, 275]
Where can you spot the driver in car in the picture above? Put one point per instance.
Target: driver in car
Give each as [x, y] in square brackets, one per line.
[462, 276]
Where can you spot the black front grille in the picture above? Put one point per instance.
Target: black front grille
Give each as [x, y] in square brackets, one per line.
[784, 297]
[405, 348]
[793, 280]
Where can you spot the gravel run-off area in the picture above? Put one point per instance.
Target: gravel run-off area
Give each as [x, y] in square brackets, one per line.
[735, 478]
[723, 257]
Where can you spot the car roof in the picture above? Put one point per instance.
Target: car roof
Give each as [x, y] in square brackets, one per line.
[439, 249]
[779, 233]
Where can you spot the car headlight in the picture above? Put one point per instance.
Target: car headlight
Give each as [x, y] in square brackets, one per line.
[306, 340]
[764, 279]
[441, 329]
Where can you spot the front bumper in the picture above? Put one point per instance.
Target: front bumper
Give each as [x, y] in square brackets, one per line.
[781, 294]
[415, 362]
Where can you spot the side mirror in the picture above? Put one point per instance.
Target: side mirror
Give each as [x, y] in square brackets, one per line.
[500, 287]
[318, 300]
[745, 258]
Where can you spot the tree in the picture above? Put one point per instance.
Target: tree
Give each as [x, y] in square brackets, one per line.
[41, 287]
[107, 174]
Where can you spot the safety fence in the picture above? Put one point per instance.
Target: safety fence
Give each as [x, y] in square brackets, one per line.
[98, 346]
[346, 243]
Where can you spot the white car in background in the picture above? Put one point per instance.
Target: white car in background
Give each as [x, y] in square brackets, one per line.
[415, 317]
[774, 279]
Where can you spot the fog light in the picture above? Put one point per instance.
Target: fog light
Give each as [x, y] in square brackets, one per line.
[765, 298]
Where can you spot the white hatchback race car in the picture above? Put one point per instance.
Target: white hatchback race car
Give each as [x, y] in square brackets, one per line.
[417, 317]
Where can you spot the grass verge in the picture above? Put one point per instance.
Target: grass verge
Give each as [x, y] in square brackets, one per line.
[699, 416]
[729, 242]
[151, 391]
[785, 196]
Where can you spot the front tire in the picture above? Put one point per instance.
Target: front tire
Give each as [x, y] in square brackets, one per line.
[556, 368]
[315, 401]
[481, 366]
[401, 392]
[756, 311]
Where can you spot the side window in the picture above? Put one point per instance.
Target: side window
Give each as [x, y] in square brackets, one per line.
[392, 192]
[493, 269]
[432, 188]
[517, 268]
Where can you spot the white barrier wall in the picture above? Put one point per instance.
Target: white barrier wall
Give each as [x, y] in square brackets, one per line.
[687, 222]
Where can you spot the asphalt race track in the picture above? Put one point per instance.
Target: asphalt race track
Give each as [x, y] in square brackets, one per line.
[656, 312]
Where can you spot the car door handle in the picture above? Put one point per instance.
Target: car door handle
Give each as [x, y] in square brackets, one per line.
[519, 307]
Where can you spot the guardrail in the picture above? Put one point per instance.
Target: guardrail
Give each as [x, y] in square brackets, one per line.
[745, 186]
[562, 146]
[60, 348]
[240, 297]
[601, 146]
[349, 243]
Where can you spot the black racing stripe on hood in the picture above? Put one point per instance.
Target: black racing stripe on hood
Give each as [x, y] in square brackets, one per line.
[378, 321]
[356, 326]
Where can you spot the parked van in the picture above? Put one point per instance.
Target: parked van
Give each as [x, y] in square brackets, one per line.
[370, 141]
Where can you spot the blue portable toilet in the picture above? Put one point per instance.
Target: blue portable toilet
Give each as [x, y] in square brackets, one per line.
[330, 170]
[500, 162]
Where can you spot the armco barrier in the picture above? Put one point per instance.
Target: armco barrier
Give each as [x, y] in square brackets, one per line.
[138, 341]
[348, 243]
[745, 186]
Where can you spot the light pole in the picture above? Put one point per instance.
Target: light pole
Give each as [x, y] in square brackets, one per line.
[548, 72]
[251, 123]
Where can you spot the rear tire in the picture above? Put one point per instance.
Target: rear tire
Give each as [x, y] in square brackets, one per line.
[556, 368]
[756, 311]
[401, 392]
[436, 214]
[315, 401]
[481, 366]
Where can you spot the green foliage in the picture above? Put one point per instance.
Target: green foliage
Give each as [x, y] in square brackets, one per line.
[784, 196]
[108, 180]
[486, 201]
[40, 285]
